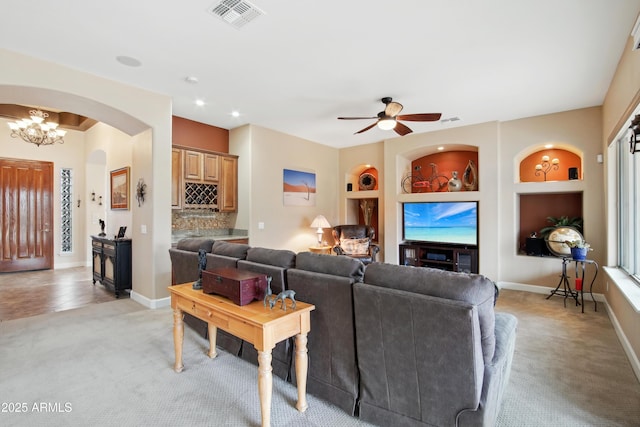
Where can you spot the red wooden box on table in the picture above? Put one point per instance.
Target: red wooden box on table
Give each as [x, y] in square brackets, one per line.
[240, 286]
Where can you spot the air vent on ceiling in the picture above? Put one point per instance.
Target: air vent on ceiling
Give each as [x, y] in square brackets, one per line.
[235, 12]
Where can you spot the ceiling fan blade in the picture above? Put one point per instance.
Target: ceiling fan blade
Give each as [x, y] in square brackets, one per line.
[401, 129]
[393, 109]
[366, 129]
[357, 118]
[426, 117]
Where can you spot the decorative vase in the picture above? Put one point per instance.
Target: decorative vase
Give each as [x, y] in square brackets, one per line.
[367, 206]
[579, 254]
[470, 177]
[454, 183]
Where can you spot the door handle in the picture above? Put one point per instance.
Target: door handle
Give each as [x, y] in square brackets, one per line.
[46, 227]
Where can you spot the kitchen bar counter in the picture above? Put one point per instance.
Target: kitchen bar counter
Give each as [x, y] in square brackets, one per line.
[216, 234]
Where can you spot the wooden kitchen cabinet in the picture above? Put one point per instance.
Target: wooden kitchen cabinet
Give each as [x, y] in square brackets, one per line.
[228, 190]
[177, 188]
[201, 167]
[211, 167]
[201, 179]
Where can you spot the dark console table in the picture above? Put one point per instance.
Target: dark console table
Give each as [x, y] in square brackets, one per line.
[112, 262]
[564, 286]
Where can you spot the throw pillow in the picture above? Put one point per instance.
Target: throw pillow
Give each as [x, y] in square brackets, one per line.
[355, 246]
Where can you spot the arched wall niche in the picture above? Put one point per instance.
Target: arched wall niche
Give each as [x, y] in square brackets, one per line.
[356, 173]
[526, 160]
[364, 182]
[447, 158]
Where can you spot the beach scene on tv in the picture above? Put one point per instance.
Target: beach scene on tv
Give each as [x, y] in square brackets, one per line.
[443, 222]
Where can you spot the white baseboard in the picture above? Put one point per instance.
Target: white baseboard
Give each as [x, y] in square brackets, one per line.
[150, 303]
[626, 345]
[62, 265]
[541, 290]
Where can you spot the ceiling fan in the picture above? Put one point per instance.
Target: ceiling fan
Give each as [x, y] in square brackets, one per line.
[389, 118]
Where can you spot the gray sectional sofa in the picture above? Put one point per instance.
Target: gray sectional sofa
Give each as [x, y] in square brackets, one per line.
[393, 345]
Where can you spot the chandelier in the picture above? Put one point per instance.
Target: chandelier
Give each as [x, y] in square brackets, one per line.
[36, 130]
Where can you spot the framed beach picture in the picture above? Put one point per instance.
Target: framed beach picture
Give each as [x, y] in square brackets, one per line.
[120, 189]
[299, 188]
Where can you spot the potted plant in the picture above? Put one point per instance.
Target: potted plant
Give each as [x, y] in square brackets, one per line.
[579, 249]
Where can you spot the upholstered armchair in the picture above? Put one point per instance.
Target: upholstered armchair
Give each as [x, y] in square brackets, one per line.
[356, 241]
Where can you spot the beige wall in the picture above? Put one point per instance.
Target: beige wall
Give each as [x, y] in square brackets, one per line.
[264, 154]
[577, 130]
[623, 95]
[620, 103]
[398, 154]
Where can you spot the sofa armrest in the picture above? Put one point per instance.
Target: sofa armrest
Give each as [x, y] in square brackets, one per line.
[496, 375]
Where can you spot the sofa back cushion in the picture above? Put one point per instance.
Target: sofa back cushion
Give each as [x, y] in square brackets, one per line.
[472, 288]
[233, 250]
[194, 244]
[332, 265]
[277, 257]
[272, 262]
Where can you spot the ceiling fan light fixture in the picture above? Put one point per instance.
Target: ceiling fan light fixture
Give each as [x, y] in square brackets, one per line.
[386, 124]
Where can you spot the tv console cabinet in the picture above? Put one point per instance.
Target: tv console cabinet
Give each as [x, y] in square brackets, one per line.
[459, 258]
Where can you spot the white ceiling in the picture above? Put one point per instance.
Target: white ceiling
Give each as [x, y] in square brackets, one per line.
[304, 63]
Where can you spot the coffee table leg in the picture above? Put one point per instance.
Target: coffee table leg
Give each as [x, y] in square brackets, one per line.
[178, 337]
[265, 384]
[302, 362]
[213, 331]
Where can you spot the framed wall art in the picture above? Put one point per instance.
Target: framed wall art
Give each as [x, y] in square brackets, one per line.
[120, 189]
[299, 188]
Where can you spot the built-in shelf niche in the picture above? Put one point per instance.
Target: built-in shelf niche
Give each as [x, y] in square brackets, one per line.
[362, 196]
[535, 208]
[568, 167]
[462, 161]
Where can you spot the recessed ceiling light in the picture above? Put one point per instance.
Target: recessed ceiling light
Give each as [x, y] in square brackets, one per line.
[548, 146]
[191, 80]
[235, 113]
[440, 148]
[128, 61]
[199, 102]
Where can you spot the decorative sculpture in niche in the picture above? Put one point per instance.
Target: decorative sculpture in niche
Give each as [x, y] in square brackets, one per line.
[470, 177]
[202, 264]
[454, 183]
[367, 206]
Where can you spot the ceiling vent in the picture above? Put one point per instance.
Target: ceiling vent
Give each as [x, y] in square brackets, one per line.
[235, 12]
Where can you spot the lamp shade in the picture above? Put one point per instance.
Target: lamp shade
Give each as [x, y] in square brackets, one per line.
[320, 222]
[387, 124]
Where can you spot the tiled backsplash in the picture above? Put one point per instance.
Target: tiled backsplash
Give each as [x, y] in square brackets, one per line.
[200, 219]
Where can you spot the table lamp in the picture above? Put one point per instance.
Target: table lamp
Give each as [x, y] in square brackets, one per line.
[319, 223]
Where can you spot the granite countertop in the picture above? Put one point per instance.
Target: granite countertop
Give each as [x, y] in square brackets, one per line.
[216, 234]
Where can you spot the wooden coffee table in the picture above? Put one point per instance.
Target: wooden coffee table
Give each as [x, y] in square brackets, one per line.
[261, 326]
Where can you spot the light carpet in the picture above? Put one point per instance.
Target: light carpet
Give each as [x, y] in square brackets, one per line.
[111, 364]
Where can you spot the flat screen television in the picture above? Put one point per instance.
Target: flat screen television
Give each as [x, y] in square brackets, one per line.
[441, 222]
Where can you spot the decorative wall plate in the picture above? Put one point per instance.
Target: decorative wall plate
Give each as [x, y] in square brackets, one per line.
[367, 182]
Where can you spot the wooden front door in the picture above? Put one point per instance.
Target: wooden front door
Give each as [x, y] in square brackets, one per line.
[26, 215]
